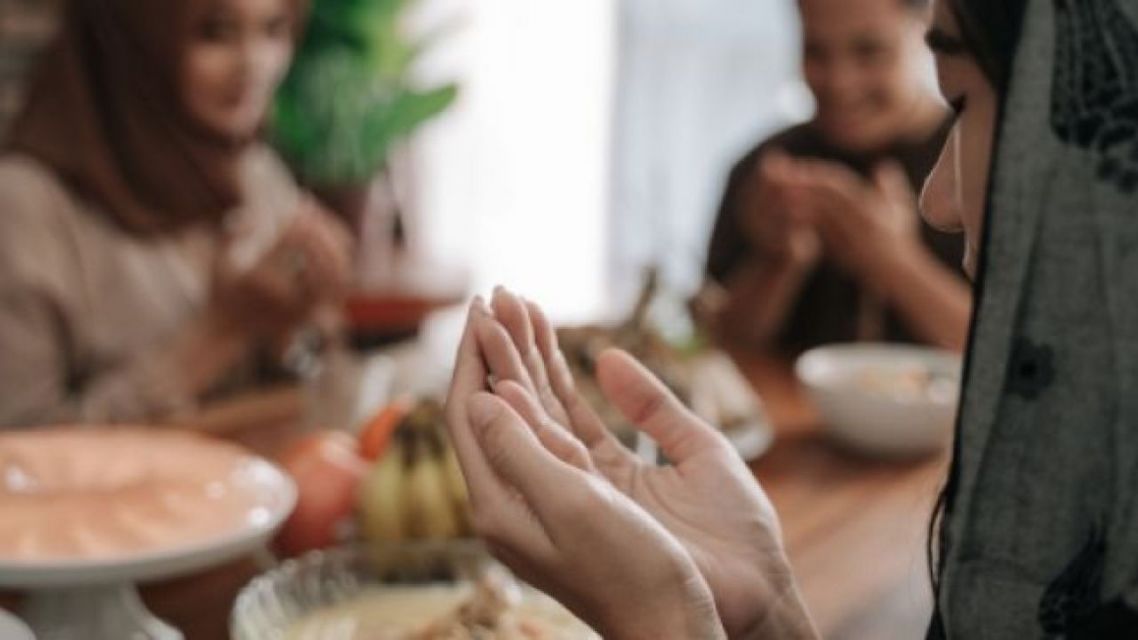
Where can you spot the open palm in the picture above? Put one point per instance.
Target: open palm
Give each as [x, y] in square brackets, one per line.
[707, 499]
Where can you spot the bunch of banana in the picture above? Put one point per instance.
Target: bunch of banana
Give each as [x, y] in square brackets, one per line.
[416, 490]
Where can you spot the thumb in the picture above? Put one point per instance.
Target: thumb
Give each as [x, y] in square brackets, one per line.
[644, 400]
[513, 451]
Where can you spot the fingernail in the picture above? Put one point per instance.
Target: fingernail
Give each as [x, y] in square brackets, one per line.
[479, 305]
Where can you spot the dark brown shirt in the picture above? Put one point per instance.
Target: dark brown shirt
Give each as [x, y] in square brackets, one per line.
[830, 307]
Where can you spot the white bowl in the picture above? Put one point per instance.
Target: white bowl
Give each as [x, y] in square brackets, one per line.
[12, 628]
[319, 595]
[885, 400]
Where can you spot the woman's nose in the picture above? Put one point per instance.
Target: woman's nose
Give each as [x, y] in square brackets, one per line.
[940, 199]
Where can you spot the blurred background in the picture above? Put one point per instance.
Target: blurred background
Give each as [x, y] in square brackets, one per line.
[604, 128]
[608, 159]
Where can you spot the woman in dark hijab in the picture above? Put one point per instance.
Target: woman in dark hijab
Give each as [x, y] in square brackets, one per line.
[1039, 525]
[1040, 513]
[151, 245]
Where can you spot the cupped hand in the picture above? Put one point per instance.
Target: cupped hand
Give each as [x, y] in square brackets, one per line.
[775, 218]
[307, 267]
[562, 528]
[867, 227]
[708, 499]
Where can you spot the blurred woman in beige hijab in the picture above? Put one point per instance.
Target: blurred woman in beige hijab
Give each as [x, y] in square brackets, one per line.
[152, 246]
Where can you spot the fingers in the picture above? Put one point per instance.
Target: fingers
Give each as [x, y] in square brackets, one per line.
[544, 334]
[775, 166]
[556, 493]
[552, 435]
[832, 183]
[469, 377]
[337, 231]
[847, 205]
[786, 206]
[893, 183]
[829, 175]
[585, 422]
[326, 245]
[515, 318]
[557, 392]
[516, 456]
[499, 513]
[514, 315]
[303, 267]
[274, 289]
[647, 403]
[502, 357]
[838, 200]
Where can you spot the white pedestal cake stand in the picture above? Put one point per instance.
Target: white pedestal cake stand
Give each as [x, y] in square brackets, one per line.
[94, 599]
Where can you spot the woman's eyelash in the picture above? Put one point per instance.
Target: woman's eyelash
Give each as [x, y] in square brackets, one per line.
[940, 41]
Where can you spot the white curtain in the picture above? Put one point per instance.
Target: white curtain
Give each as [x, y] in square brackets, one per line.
[699, 83]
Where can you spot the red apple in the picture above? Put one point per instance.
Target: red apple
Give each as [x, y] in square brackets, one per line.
[328, 469]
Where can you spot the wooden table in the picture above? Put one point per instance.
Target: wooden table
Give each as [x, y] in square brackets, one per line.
[854, 528]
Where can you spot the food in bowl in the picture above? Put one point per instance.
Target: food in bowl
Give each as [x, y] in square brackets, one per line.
[913, 383]
[489, 610]
[408, 591]
[883, 400]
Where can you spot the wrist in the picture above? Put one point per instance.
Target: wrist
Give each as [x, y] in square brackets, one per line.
[772, 607]
[786, 619]
[885, 275]
[685, 610]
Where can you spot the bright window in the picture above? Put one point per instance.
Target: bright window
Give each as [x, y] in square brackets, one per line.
[514, 179]
[592, 137]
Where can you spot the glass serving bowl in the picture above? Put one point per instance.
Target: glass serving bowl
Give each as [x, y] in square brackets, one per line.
[280, 604]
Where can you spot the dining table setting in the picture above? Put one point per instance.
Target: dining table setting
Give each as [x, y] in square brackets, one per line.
[854, 518]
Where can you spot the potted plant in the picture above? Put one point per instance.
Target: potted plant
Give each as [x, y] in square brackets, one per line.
[349, 98]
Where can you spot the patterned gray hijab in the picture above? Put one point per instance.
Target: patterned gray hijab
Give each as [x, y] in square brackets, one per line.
[1040, 530]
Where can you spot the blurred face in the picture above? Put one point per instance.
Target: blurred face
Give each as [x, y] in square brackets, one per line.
[955, 193]
[237, 54]
[862, 60]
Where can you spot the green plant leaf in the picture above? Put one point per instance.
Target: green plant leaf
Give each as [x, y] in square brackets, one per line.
[346, 100]
[412, 109]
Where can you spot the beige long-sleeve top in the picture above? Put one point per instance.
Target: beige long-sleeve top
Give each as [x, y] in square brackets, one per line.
[88, 312]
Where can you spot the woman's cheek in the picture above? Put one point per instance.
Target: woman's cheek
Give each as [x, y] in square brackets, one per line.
[207, 68]
[270, 69]
[977, 144]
